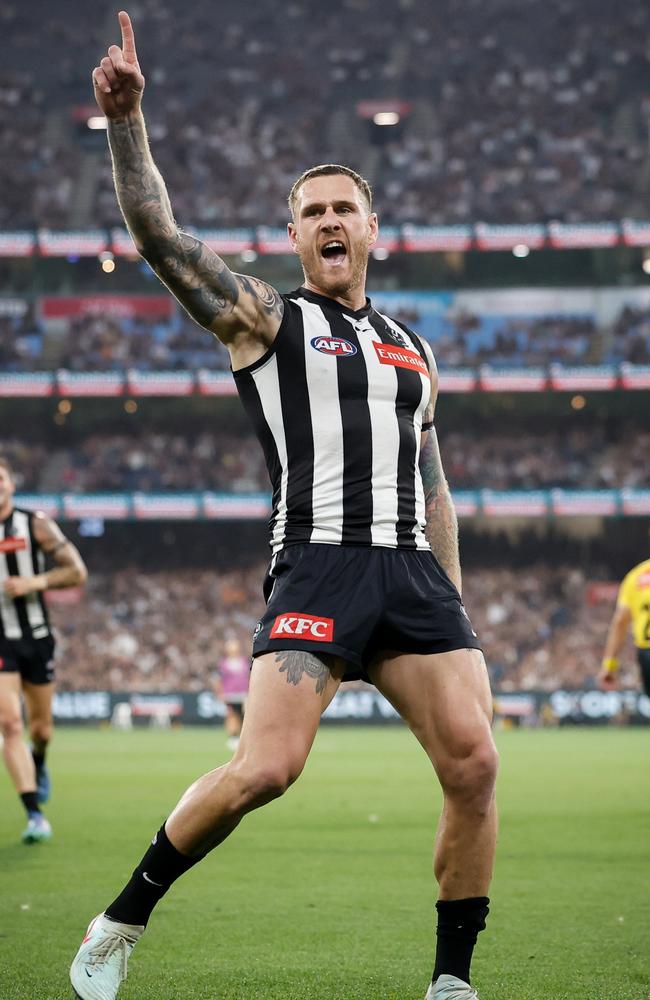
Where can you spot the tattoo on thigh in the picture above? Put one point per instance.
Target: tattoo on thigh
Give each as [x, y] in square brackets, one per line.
[297, 662]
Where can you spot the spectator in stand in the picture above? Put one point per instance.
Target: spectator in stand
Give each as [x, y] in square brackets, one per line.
[528, 113]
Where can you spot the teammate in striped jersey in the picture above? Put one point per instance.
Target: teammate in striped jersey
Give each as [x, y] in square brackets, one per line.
[27, 644]
[365, 577]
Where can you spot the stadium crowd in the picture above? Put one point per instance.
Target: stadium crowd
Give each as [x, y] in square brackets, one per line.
[520, 112]
[100, 342]
[154, 461]
[164, 631]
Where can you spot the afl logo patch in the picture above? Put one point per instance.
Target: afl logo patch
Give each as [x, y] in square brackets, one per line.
[335, 346]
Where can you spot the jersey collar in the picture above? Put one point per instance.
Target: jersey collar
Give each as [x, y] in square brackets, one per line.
[325, 300]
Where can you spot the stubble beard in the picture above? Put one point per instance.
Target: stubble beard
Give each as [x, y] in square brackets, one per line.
[330, 282]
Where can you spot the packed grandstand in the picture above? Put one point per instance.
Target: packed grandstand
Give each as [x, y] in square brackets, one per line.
[541, 418]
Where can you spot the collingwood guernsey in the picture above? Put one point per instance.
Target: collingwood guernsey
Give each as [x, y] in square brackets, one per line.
[21, 555]
[338, 403]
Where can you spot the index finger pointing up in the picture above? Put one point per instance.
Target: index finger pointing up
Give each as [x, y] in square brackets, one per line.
[128, 37]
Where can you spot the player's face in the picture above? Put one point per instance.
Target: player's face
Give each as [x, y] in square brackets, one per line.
[332, 234]
[6, 488]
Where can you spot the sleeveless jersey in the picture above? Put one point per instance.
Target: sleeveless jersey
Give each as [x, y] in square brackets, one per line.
[21, 555]
[634, 594]
[338, 403]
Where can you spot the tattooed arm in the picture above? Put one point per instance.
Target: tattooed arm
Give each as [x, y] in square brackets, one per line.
[245, 313]
[441, 523]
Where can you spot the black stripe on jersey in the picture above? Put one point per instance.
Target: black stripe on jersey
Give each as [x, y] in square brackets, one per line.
[296, 417]
[12, 567]
[409, 394]
[250, 398]
[357, 438]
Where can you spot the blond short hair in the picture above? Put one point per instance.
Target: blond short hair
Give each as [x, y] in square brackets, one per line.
[330, 170]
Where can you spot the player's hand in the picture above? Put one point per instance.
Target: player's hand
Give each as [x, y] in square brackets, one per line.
[117, 81]
[20, 586]
[608, 680]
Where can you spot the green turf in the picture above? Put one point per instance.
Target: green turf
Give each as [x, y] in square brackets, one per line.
[328, 893]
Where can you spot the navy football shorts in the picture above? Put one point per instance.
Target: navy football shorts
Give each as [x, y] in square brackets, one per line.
[31, 658]
[356, 602]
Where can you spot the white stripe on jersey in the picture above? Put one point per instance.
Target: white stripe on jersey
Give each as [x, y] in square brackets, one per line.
[33, 606]
[268, 388]
[10, 621]
[323, 389]
[418, 417]
[385, 438]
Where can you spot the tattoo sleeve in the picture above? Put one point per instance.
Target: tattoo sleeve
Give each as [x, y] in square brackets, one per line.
[441, 526]
[196, 276]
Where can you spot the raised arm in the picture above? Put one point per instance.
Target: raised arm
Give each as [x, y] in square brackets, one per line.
[441, 527]
[243, 312]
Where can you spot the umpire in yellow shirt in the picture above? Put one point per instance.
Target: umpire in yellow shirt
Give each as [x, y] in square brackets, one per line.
[632, 607]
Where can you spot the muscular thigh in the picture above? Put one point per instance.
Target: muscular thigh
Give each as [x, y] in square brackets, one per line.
[288, 693]
[444, 698]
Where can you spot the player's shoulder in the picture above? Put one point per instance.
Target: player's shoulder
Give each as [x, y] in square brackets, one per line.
[641, 571]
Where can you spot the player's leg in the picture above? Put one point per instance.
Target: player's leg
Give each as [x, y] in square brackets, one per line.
[38, 703]
[288, 693]
[643, 656]
[17, 757]
[445, 699]
[233, 724]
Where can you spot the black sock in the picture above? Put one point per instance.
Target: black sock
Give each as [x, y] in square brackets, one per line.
[30, 802]
[459, 921]
[159, 868]
[38, 757]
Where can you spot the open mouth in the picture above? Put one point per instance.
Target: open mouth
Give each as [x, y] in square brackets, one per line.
[334, 252]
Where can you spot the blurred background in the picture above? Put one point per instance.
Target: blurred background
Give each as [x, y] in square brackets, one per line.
[508, 146]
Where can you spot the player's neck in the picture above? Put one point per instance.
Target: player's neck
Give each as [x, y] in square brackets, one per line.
[5, 510]
[354, 299]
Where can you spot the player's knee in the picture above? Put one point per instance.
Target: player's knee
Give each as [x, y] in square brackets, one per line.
[40, 730]
[472, 776]
[11, 726]
[262, 782]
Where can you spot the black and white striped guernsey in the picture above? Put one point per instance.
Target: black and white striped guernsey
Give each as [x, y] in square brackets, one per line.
[338, 403]
[21, 555]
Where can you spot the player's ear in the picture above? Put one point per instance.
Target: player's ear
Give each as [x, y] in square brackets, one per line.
[373, 228]
[293, 237]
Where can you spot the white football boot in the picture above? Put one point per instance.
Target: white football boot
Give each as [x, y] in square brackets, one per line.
[450, 988]
[38, 829]
[99, 967]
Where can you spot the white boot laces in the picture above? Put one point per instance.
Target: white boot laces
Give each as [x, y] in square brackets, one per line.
[114, 941]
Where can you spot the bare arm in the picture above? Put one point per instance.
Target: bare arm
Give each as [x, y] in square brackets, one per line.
[617, 633]
[70, 570]
[441, 523]
[618, 628]
[236, 308]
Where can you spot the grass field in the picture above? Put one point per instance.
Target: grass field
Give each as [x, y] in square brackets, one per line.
[328, 892]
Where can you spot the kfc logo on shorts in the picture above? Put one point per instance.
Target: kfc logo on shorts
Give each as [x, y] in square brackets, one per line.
[335, 346]
[293, 625]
